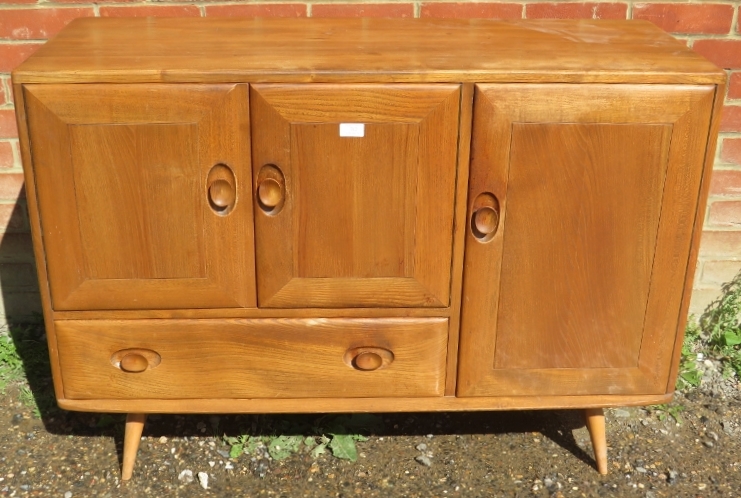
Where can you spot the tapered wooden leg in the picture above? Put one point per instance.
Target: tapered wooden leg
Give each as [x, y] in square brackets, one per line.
[596, 426]
[132, 437]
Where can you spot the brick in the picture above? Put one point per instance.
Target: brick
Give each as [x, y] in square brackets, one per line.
[8, 127]
[576, 11]
[260, 10]
[11, 218]
[151, 11]
[725, 213]
[734, 86]
[723, 53]
[731, 150]
[12, 54]
[16, 248]
[89, 1]
[20, 307]
[687, 18]
[363, 10]
[17, 2]
[726, 182]
[720, 243]
[720, 272]
[472, 10]
[730, 119]
[11, 186]
[701, 299]
[7, 160]
[34, 24]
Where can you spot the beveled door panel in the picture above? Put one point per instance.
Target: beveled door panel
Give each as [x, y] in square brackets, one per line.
[578, 289]
[126, 176]
[355, 194]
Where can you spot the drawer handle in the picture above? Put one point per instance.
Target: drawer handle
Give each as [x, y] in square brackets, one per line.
[134, 363]
[135, 360]
[368, 359]
[221, 194]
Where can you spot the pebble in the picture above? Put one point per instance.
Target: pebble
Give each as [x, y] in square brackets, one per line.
[203, 480]
[162, 439]
[186, 476]
[17, 418]
[430, 436]
[424, 460]
[640, 470]
[421, 447]
[708, 443]
[68, 494]
[713, 435]
[673, 474]
[619, 412]
[223, 453]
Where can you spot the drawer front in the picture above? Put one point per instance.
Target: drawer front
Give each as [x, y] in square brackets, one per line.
[241, 358]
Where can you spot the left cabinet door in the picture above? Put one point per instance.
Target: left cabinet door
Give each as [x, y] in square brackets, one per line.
[144, 194]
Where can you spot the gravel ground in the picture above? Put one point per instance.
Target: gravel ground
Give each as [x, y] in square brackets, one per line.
[532, 453]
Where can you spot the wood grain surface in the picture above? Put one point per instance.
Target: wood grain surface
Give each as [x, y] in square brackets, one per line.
[602, 188]
[366, 221]
[364, 50]
[281, 358]
[121, 175]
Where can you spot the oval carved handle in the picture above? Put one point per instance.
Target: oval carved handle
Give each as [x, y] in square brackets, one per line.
[486, 220]
[270, 192]
[367, 359]
[134, 363]
[221, 193]
[135, 360]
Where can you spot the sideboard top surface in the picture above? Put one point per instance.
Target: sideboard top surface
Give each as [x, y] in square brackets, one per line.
[363, 50]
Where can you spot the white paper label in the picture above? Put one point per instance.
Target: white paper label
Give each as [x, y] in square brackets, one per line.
[352, 130]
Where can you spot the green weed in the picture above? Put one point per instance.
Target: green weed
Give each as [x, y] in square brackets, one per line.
[722, 324]
[336, 433]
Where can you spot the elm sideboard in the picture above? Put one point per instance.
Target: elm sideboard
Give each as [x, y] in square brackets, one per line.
[351, 215]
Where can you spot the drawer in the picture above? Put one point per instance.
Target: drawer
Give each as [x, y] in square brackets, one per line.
[242, 358]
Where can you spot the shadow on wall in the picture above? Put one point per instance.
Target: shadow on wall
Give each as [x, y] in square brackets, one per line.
[21, 302]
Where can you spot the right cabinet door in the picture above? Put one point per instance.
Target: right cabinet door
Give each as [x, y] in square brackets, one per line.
[582, 202]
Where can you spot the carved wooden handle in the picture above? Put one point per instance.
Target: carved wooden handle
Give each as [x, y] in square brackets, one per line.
[486, 220]
[134, 363]
[270, 192]
[367, 361]
[222, 194]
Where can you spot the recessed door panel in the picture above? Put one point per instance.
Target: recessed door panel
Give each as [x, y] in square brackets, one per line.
[354, 194]
[576, 286]
[145, 194]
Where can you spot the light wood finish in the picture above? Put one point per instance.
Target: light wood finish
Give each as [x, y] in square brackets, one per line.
[597, 200]
[595, 418]
[459, 234]
[207, 242]
[696, 233]
[358, 405]
[132, 437]
[113, 167]
[285, 358]
[365, 50]
[38, 248]
[381, 205]
[255, 313]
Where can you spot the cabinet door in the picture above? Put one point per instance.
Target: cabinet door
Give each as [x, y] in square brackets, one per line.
[355, 194]
[582, 202]
[144, 193]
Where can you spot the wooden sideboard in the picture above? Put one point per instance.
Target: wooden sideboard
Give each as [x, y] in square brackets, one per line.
[344, 215]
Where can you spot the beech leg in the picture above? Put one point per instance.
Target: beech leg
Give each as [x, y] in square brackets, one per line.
[596, 425]
[132, 437]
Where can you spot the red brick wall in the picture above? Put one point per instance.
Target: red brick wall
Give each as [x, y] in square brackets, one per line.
[710, 28]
